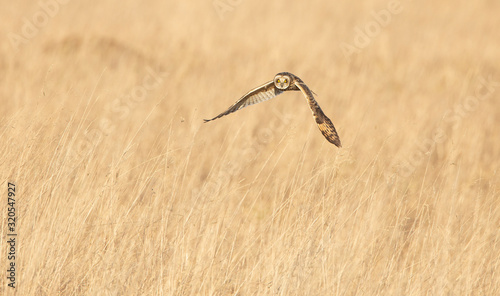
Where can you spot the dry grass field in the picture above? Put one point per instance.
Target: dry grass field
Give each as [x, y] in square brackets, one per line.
[121, 189]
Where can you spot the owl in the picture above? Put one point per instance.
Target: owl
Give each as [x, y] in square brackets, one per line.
[282, 82]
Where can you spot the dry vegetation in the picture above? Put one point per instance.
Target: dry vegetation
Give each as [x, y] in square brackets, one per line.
[122, 190]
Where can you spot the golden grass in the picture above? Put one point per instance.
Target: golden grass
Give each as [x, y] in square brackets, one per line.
[122, 190]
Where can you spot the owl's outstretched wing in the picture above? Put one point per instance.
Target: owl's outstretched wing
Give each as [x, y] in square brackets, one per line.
[324, 123]
[260, 94]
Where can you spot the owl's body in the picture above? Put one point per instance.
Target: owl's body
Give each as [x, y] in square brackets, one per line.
[282, 82]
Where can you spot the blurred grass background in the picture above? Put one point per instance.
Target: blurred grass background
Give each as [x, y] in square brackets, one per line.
[123, 190]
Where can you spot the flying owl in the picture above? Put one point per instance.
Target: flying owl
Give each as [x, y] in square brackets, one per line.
[282, 82]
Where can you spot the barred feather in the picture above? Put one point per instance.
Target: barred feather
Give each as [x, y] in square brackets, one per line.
[269, 90]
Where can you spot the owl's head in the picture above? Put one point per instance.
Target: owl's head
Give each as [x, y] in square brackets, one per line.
[282, 81]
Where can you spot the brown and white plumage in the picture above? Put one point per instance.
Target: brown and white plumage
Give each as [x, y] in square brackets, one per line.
[282, 82]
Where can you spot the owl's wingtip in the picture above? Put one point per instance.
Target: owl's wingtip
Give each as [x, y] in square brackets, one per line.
[337, 143]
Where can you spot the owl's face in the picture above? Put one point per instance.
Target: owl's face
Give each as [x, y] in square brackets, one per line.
[282, 81]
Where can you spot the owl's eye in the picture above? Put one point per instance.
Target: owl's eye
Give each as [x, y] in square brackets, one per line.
[286, 80]
[279, 81]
